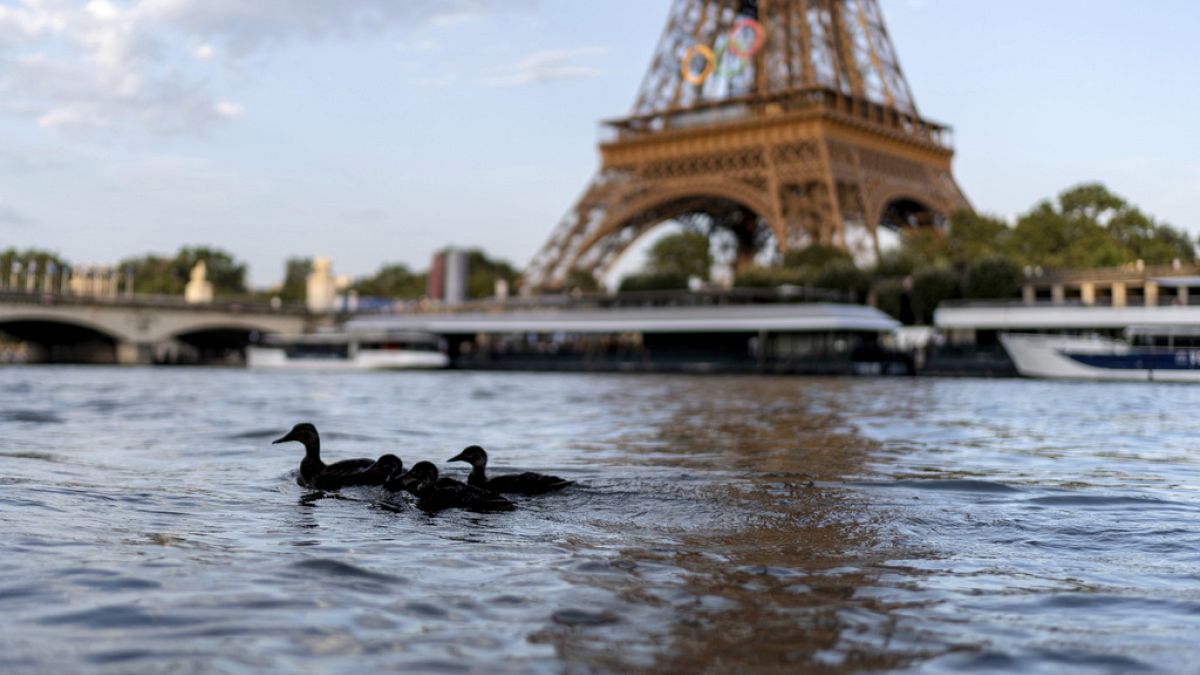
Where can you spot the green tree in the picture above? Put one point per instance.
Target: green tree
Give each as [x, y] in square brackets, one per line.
[815, 256]
[649, 281]
[168, 276]
[483, 272]
[841, 274]
[295, 279]
[393, 280]
[993, 277]
[973, 236]
[38, 260]
[889, 297]
[931, 286]
[684, 254]
[771, 277]
[583, 280]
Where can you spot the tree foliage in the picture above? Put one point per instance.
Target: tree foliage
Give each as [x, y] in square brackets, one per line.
[684, 254]
[930, 287]
[483, 272]
[168, 276]
[295, 279]
[993, 277]
[649, 281]
[394, 280]
[34, 259]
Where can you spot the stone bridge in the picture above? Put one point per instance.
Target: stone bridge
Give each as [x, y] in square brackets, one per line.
[138, 330]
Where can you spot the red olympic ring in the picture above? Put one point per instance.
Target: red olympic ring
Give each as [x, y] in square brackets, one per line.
[760, 36]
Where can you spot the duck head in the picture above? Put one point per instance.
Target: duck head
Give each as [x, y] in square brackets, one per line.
[473, 455]
[420, 478]
[389, 465]
[301, 433]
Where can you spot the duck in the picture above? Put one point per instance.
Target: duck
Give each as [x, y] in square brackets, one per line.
[377, 474]
[527, 483]
[315, 473]
[437, 494]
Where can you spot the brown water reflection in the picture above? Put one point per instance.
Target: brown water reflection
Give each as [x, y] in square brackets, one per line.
[789, 580]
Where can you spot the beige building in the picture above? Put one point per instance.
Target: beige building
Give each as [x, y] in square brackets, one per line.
[1127, 286]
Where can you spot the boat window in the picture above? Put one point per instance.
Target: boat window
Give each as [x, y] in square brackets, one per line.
[318, 351]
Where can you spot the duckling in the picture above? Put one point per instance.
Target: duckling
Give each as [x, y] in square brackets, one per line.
[527, 483]
[437, 494]
[377, 474]
[315, 473]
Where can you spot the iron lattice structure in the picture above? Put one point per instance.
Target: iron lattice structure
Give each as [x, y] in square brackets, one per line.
[784, 120]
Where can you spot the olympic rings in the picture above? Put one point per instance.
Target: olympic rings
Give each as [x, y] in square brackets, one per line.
[710, 63]
[731, 45]
[760, 36]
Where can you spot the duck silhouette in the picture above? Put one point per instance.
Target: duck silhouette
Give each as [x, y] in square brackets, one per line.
[315, 473]
[527, 483]
[437, 494]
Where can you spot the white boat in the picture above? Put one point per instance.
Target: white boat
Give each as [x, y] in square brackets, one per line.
[1161, 354]
[377, 350]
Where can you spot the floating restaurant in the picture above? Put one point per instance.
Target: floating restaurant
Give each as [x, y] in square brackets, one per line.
[812, 338]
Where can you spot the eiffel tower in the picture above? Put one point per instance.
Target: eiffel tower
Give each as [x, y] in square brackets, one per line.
[784, 122]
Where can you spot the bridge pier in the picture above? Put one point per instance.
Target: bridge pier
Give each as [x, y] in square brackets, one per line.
[135, 353]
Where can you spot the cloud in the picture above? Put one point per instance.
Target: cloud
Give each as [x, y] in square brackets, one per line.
[544, 66]
[77, 67]
[229, 109]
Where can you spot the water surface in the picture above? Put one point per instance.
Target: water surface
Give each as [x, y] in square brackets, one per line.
[720, 525]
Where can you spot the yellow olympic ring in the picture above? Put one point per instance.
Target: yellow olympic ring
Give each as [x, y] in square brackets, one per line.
[710, 63]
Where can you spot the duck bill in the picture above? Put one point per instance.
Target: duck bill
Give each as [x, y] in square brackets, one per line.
[457, 458]
[286, 437]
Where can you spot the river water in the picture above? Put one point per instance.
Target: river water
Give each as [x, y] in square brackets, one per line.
[720, 525]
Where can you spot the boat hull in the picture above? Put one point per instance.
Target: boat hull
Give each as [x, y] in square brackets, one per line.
[278, 359]
[1096, 358]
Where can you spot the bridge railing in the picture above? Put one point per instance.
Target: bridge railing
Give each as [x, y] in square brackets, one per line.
[632, 299]
[140, 301]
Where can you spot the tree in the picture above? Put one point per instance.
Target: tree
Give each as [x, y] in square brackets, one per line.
[771, 277]
[483, 272]
[974, 236]
[815, 256]
[168, 276]
[393, 280]
[994, 277]
[931, 286]
[295, 279]
[841, 274]
[890, 298]
[228, 276]
[583, 280]
[649, 281]
[34, 259]
[683, 255]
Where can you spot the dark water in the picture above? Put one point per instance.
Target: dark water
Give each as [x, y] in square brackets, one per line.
[721, 525]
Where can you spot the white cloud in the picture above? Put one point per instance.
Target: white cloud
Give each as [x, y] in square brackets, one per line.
[229, 109]
[544, 66]
[71, 66]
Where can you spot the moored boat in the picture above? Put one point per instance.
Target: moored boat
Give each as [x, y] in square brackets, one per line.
[376, 350]
[1166, 354]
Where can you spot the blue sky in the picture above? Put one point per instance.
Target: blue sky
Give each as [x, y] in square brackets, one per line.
[378, 130]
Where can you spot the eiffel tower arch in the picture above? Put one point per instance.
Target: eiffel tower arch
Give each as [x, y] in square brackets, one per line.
[778, 120]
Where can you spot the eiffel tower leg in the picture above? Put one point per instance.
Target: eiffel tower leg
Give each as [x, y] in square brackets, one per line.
[835, 227]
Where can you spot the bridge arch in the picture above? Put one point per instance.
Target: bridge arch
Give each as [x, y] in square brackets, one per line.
[53, 339]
